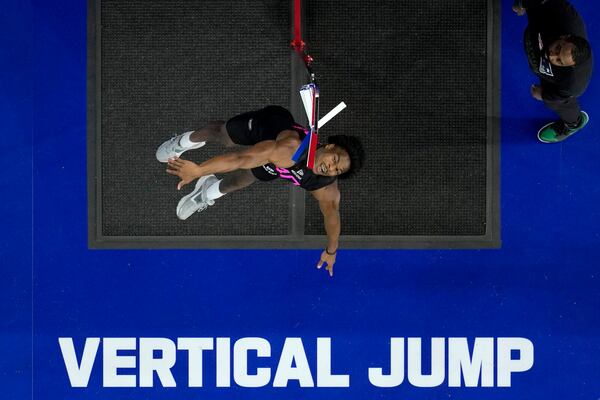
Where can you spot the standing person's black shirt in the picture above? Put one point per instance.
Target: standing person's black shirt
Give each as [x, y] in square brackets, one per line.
[548, 21]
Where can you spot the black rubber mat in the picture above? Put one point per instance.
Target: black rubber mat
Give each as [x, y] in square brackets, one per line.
[420, 79]
[168, 67]
[413, 74]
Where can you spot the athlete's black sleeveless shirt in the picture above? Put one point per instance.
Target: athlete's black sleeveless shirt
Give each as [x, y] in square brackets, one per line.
[299, 174]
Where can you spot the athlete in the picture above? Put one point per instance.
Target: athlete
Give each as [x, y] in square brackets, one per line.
[273, 137]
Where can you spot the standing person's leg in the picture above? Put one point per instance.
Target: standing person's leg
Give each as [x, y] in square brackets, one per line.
[572, 119]
[214, 131]
[568, 110]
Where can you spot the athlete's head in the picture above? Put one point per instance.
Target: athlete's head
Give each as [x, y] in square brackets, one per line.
[343, 156]
[569, 50]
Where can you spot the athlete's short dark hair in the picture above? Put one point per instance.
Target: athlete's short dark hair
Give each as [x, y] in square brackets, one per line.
[581, 49]
[355, 150]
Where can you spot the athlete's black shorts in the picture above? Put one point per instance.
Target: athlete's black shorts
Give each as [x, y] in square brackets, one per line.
[257, 126]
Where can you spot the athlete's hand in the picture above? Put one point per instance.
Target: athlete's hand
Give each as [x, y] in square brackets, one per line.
[328, 259]
[186, 170]
[536, 92]
[519, 10]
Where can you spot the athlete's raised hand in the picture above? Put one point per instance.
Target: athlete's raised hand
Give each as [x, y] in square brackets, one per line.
[328, 259]
[186, 170]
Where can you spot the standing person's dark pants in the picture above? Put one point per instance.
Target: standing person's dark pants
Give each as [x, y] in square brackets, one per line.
[567, 109]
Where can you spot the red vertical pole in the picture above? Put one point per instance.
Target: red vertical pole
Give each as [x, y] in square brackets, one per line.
[298, 46]
[297, 21]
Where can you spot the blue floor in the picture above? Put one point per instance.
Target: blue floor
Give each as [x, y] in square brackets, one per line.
[543, 284]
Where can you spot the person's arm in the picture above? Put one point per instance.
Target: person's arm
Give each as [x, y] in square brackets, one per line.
[518, 8]
[522, 6]
[329, 203]
[277, 151]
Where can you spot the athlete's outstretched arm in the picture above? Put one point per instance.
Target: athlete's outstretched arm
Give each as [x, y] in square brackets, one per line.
[329, 203]
[278, 152]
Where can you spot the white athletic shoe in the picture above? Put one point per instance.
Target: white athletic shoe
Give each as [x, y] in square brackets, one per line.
[172, 149]
[196, 201]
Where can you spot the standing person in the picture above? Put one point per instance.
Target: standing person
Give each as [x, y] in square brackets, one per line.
[273, 137]
[559, 54]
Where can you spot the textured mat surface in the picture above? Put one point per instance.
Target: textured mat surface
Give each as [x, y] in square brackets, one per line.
[413, 74]
[169, 67]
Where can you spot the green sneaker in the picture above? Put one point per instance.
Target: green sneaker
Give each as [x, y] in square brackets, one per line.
[555, 132]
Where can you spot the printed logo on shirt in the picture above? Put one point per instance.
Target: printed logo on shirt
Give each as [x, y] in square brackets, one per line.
[291, 175]
[545, 65]
[270, 170]
[250, 124]
[298, 173]
[285, 174]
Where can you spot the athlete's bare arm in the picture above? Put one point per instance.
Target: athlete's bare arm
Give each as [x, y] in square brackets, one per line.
[278, 152]
[329, 203]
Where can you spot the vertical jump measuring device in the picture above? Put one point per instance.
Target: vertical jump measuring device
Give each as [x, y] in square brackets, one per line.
[309, 94]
